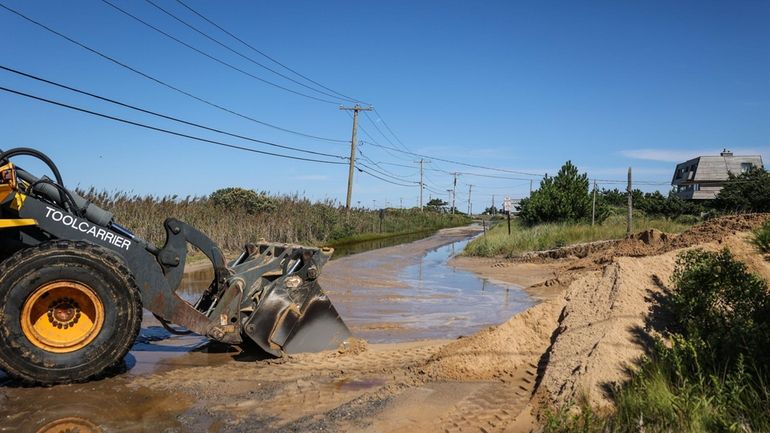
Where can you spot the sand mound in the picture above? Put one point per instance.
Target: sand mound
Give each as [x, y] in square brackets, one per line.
[604, 328]
[497, 352]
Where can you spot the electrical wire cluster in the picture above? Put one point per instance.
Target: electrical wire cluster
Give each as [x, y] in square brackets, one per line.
[294, 83]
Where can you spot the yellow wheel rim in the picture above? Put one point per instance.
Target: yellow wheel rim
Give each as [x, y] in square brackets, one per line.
[71, 424]
[62, 316]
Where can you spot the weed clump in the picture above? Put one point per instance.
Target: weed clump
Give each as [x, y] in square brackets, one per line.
[761, 238]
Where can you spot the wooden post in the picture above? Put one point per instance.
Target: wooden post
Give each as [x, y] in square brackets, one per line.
[352, 166]
[593, 207]
[630, 218]
[509, 223]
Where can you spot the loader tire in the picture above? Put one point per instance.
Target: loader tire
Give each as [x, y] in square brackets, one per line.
[69, 312]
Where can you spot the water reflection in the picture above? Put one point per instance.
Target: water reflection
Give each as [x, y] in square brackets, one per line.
[103, 406]
[410, 295]
[359, 247]
[444, 301]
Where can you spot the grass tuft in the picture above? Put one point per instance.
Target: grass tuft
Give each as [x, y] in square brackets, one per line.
[540, 237]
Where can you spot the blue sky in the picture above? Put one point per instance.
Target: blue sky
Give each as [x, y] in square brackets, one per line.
[522, 86]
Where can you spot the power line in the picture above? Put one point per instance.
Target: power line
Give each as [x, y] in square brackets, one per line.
[361, 153]
[605, 181]
[266, 56]
[161, 82]
[166, 131]
[164, 116]
[378, 129]
[388, 127]
[250, 59]
[397, 179]
[214, 58]
[457, 162]
[373, 141]
[380, 178]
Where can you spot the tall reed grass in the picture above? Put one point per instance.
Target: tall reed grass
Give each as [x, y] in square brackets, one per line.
[292, 219]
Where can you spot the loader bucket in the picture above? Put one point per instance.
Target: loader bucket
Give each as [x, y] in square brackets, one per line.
[284, 308]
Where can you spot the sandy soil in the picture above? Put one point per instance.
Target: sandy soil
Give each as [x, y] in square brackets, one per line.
[597, 312]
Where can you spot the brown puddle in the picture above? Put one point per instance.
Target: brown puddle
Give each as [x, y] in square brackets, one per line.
[358, 384]
[103, 406]
[113, 404]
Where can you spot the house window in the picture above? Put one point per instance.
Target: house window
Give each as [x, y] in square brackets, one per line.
[746, 167]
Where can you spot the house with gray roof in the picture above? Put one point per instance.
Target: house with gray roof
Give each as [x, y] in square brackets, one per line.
[703, 177]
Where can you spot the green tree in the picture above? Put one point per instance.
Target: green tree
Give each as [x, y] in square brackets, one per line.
[436, 204]
[749, 192]
[564, 197]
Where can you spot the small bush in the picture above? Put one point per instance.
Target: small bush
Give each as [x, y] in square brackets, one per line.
[240, 198]
[719, 301]
[687, 219]
[761, 238]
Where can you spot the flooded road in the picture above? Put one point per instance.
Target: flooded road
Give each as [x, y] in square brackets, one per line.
[410, 292]
[400, 293]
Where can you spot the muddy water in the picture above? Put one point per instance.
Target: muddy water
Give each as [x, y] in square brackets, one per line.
[360, 247]
[408, 293]
[113, 404]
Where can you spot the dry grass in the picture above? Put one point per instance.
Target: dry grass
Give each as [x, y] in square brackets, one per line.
[293, 219]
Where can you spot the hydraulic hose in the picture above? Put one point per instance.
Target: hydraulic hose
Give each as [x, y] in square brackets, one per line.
[56, 192]
[19, 151]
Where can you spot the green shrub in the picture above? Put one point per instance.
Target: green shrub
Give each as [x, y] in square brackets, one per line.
[719, 301]
[761, 238]
[240, 198]
[687, 219]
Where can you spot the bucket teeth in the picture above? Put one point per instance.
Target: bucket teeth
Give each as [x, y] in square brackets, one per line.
[283, 308]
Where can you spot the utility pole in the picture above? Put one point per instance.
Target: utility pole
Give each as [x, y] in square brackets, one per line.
[470, 206]
[355, 109]
[593, 207]
[451, 198]
[530, 187]
[494, 209]
[454, 190]
[401, 199]
[630, 218]
[422, 185]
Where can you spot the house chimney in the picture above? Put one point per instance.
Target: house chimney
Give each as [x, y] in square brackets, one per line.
[726, 152]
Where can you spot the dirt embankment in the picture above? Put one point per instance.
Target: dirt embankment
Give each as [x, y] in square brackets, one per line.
[603, 303]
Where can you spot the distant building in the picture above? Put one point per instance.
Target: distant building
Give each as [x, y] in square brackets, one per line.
[703, 177]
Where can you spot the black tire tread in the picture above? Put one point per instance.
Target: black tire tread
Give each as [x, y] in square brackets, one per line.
[94, 252]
